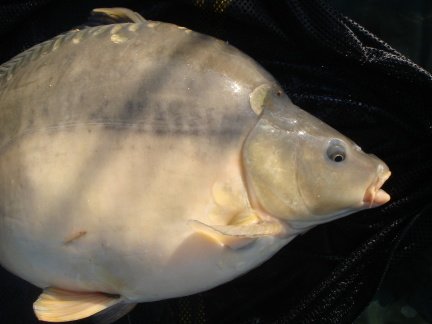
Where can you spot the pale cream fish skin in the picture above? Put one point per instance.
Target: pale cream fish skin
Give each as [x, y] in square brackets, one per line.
[141, 161]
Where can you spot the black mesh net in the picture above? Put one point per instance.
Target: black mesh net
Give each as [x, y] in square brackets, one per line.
[335, 69]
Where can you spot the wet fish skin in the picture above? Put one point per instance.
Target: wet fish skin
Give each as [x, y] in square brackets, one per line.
[148, 161]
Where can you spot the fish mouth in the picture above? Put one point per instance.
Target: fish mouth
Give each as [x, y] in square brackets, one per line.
[374, 195]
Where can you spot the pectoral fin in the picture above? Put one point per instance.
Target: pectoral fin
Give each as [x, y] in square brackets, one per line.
[241, 231]
[252, 231]
[58, 305]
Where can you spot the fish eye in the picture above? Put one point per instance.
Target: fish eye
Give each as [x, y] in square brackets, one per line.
[336, 151]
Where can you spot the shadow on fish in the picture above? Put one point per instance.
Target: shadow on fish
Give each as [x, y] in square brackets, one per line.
[142, 161]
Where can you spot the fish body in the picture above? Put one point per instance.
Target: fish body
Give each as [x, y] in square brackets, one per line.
[147, 161]
[126, 153]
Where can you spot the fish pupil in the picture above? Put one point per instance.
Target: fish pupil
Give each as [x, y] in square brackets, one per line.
[338, 158]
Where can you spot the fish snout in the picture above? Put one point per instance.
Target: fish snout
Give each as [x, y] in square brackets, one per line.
[374, 195]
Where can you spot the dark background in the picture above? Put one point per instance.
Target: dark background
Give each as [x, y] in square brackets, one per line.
[405, 25]
[334, 68]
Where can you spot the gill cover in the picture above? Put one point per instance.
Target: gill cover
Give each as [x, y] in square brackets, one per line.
[269, 155]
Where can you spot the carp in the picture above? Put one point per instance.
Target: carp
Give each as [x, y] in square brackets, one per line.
[141, 161]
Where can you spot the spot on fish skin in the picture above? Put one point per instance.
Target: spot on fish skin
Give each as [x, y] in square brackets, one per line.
[74, 237]
[133, 27]
[117, 39]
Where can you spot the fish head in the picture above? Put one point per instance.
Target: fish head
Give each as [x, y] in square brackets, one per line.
[334, 178]
[299, 169]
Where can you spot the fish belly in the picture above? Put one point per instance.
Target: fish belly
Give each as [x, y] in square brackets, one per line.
[108, 209]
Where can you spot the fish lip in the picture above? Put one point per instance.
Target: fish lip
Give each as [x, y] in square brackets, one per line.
[374, 195]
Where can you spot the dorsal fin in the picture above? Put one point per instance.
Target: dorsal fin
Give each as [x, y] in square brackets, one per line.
[107, 16]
